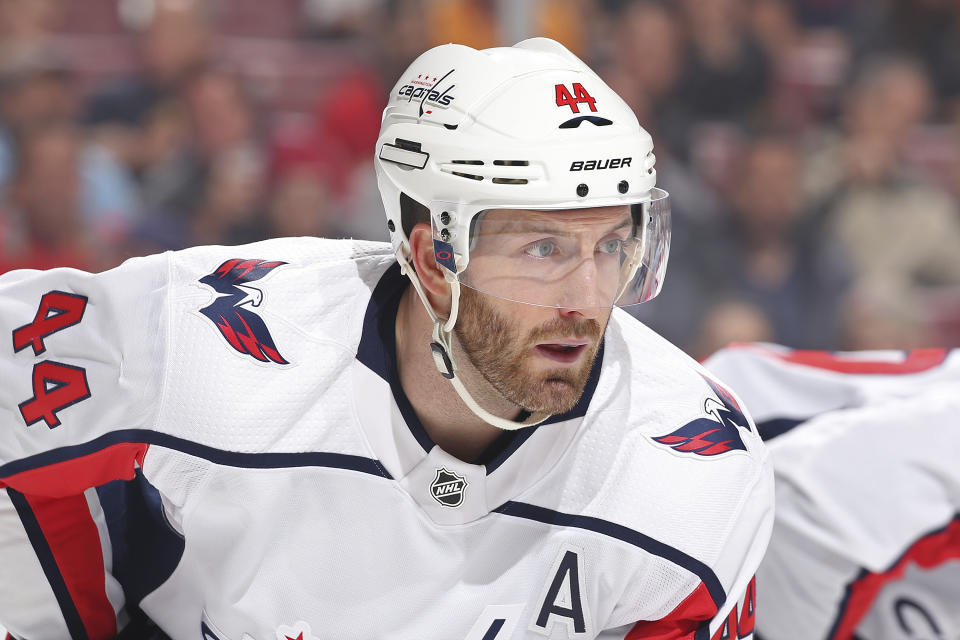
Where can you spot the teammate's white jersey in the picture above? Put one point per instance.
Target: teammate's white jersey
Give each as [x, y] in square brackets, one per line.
[866, 541]
[218, 437]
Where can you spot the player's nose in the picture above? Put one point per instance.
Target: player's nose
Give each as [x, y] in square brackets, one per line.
[580, 293]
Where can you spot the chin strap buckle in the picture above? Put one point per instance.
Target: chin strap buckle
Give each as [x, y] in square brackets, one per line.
[441, 350]
[442, 360]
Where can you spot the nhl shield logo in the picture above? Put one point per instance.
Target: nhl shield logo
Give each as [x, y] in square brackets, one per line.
[447, 488]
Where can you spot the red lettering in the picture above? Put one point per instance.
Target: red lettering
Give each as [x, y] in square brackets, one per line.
[57, 311]
[565, 98]
[56, 386]
[579, 96]
[740, 626]
[728, 630]
[748, 614]
[582, 95]
[572, 100]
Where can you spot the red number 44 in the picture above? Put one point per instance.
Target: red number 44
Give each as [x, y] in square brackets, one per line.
[579, 96]
[56, 386]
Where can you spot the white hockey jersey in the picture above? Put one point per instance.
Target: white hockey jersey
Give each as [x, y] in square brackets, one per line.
[866, 453]
[217, 437]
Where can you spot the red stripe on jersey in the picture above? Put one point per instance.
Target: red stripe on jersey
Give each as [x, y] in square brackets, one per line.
[914, 361]
[681, 623]
[928, 552]
[75, 544]
[70, 477]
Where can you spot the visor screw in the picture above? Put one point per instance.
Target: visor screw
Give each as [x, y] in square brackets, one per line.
[445, 218]
[445, 235]
[623, 187]
[582, 190]
[391, 226]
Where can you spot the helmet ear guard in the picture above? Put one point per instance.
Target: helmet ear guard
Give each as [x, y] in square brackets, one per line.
[408, 266]
[522, 128]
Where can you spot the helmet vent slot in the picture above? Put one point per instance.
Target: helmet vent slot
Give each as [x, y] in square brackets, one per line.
[510, 181]
[467, 175]
[476, 162]
[512, 163]
[408, 145]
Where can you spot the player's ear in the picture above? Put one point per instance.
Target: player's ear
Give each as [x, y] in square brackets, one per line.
[431, 276]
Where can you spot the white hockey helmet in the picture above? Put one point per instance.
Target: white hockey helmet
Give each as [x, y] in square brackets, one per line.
[501, 147]
[509, 131]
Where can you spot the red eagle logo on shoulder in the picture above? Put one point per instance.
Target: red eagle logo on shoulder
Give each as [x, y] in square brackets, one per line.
[233, 309]
[714, 435]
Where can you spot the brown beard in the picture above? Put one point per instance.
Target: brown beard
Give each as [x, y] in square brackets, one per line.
[501, 355]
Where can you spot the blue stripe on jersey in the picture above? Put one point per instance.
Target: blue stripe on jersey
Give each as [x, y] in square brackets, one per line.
[372, 351]
[620, 532]
[49, 565]
[378, 346]
[494, 629]
[139, 529]
[844, 602]
[218, 456]
[505, 449]
[703, 631]
[863, 573]
[770, 429]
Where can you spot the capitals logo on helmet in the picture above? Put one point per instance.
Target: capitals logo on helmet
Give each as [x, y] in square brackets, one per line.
[232, 310]
[714, 435]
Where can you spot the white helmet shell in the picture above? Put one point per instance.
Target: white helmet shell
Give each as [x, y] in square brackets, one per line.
[522, 127]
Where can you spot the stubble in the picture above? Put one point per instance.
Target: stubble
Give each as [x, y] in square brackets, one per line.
[503, 356]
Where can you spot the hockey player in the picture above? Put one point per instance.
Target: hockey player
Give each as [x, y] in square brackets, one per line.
[458, 436]
[865, 446]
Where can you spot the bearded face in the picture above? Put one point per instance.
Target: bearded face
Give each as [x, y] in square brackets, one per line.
[536, 357]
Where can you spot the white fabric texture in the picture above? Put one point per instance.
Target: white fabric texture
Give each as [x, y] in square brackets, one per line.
[866, 478]
[302, 495]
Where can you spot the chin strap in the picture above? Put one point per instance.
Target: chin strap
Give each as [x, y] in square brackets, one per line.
[443, 352]
[442, 357]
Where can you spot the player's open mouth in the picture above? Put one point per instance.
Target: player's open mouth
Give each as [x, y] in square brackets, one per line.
[561, 352]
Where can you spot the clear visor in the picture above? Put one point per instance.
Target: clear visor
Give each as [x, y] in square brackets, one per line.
[572, 259]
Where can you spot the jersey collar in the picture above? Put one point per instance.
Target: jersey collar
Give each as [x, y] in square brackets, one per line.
[400, 440]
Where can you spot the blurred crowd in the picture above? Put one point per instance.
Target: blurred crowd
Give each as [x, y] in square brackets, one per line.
[811, 147]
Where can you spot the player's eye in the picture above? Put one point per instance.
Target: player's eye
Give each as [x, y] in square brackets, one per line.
[541, 249]
[611, 246]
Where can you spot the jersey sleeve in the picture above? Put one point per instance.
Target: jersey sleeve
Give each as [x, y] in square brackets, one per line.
[863, 436]
[785, 387]
[722, 604]
[83, 373]
[82, 363]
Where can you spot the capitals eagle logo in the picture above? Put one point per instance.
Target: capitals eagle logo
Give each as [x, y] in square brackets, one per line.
[232, 310]
[714, 435]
